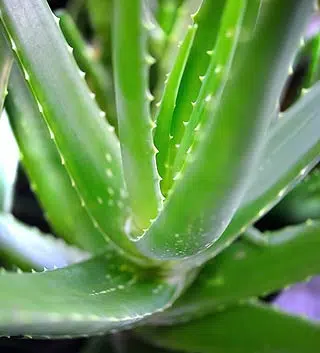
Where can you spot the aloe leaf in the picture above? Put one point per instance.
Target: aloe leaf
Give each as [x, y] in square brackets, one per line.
[208, 21]
[102, 294]
[195, 218]
[28, 248]
[215, 78]
[248, 328]
[9, 159]
[168, 101]
[97, 76]
[72, 116]
[49, 178]
[287, 256]
[291, 150]
[183, 19]
[133, 100]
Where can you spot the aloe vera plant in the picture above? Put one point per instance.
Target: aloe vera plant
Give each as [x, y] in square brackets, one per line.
[155, 205]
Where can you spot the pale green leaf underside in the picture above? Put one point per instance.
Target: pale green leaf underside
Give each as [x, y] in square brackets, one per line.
[96, 296]
[249, 328]
[72, 116]
[289, 256]
[28, 248]
[9, 158]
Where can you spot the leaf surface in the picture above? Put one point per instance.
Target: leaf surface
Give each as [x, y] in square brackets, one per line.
[249, 328]
[102, 294]
[195, 218]
[87, 145]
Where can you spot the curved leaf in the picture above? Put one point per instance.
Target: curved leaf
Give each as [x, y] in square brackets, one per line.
[94, 297]
[133, 105]
[249, 328]
[87, 145]
[98, 78]
[208, 20]
[292, 149]
[48, 177]
[28, 248]
[168, 100]
[288, 256]
[195, 218]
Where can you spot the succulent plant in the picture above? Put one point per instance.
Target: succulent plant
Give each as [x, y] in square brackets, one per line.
[155, 202]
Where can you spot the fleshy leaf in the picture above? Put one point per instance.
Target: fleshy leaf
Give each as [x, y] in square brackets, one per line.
[72, 116]
[183, 19]
[28, 248]
[168, 101]
[292, 149]
[214, 80]
[102, 294]
[288, 256]
[98, 78]
[208, 20]
[133, 99]
[49, 178]
[195, 218]
[249, 328]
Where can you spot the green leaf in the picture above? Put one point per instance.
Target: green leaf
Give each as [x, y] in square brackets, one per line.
[28, 248]
[48, 177]
[168, 101]
[208, 21]
[249, 328]
[183, 19]
[87, 145]
[215, 78]
[130, 62]
[97, 76]
[288, 256]
[102, 294]
[195, 218]
[292, 149]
